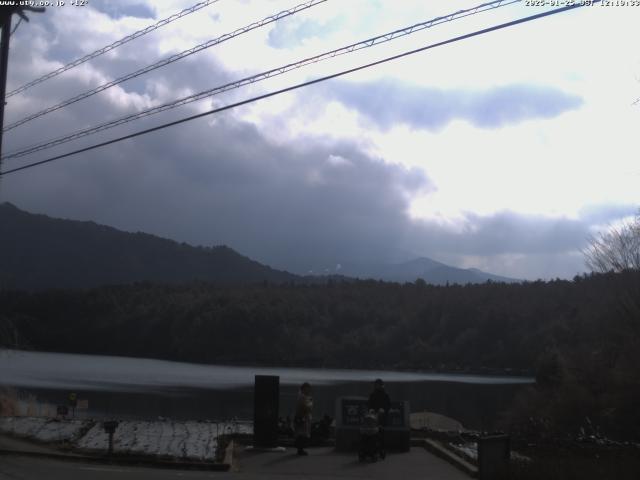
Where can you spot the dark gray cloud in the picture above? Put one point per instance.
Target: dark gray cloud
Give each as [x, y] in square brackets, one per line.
[507, 233]
[291, 206]
[123, 8]
[214, 181]
[190, 75]
[386, 103]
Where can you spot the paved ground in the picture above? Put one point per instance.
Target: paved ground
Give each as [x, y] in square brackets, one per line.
[17, 444]
[322, 463]
[325, 463]
[28, 468]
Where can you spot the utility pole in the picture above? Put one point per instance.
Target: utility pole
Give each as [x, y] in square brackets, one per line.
[4, 61]
[5, 18]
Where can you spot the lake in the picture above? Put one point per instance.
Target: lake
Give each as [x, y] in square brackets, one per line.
[147, 388]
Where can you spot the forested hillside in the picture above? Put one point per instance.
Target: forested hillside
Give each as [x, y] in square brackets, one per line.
[39, 252]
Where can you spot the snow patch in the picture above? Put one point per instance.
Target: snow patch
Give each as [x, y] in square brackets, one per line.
[470, 450]
[192, 440]
[186, 440]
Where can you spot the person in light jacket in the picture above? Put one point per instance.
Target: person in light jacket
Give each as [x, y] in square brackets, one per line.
[302, 419]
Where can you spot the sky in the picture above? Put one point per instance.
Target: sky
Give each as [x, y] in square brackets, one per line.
[502, 152]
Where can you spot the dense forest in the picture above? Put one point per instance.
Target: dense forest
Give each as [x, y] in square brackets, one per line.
[349, 324]
[581, 338]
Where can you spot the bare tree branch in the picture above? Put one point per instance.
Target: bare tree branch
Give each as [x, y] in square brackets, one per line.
[615, 250]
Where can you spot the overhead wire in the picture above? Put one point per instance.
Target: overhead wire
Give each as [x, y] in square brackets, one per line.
[166, 61]
[13, 30]
[301, 85]
[111, 46]
[369, 42]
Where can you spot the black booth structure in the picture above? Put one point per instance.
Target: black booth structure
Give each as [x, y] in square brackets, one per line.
[266, 404]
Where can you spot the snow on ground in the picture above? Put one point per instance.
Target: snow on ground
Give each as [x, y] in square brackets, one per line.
[434, 421]
[44, 429]
[188, 440]
[470, 450]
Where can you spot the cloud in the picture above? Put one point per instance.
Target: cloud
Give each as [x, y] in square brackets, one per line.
[510, 243]
[505, 233]
[528, 266]
[604, 214]
[290, 34]
[386, 103]
[222, 183]
[120, 8]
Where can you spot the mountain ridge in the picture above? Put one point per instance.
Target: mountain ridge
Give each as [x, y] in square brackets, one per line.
[39, 252]
[431, 271]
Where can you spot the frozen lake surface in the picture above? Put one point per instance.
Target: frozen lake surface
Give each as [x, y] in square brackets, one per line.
[98, 372]
[137, 388]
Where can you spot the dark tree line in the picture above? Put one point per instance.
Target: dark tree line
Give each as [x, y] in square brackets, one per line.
[354, 324]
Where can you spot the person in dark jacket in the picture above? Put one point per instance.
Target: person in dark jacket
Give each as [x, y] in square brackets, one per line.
[302, 418]
[380, 403]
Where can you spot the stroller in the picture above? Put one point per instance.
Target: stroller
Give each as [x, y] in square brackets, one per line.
[371, 438]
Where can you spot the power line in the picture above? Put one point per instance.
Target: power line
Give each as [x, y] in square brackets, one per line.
[168, 60]
[301, 85]
[370, 42]
[111, 46]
